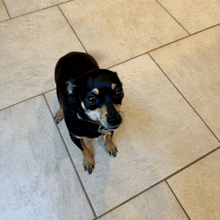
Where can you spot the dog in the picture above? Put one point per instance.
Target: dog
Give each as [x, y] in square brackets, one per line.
[90, 100]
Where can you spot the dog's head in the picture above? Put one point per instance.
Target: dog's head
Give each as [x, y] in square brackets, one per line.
[100, 95]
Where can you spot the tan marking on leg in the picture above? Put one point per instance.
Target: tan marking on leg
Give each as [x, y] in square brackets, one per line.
[88, 155]
[59, 116]
[110, 146]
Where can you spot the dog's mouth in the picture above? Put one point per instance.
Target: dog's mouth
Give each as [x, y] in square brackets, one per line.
[108, 128]
[104, 127]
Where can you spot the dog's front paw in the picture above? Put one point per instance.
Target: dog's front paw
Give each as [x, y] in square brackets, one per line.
[89, 163]
[112, 149]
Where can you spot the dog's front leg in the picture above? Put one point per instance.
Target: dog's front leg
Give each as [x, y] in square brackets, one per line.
[110, 146]
[88, 156]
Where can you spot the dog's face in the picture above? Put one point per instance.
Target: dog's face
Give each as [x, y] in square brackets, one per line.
[101, 95]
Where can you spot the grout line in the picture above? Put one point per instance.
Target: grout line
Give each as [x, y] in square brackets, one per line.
[27, 99]
[124, 60]
[41, 9]
[165, 179]
[6, 9]
[177, 199]
[72, 29]
[157, 48]
[192, 163]
[71, 160]
[162, 180]
[131, 198]
[20, 102]
[12, 18]
[198, 32]
[184, 97]
[172, 16]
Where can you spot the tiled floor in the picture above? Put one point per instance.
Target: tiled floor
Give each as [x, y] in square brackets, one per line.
[167, 54]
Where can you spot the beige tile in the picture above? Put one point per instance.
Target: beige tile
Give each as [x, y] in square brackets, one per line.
[193, 66]
[156, 203]
[38, 180]
[198, 188]
[31, 46]
[114, 31]
[160, 135]
[194, 15]
[20, 7]
[3, 12]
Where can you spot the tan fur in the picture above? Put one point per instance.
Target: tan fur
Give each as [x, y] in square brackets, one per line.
[78, 116]
[97, 114]
[96, 91]
[117, 107]
[113, 86]
[88, 155]
[59, 115]
[110, 146]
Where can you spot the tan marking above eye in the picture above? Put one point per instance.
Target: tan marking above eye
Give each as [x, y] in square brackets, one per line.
[113, 86]
[96, 91]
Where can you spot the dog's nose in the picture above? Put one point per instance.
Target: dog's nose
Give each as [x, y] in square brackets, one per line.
[114, 119]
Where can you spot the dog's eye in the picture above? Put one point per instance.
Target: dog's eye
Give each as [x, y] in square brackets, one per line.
[91, 99]
[118, 92]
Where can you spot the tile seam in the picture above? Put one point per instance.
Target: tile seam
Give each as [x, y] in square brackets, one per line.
[71, 160]
[32, 97]
[184, 97]
[164, 179]
[72, 28]
[172, 17]
[157, 48]
[178, 201]
[41, 9]
[6, 10]
[157, 183]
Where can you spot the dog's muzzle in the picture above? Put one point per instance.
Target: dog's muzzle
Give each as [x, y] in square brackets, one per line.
[114, 120]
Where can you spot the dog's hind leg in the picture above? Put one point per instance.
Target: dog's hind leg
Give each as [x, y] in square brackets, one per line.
[59, 116]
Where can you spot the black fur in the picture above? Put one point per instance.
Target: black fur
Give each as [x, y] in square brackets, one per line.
[80, 73]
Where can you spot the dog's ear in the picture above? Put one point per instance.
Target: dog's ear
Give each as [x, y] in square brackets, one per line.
[115, 73]
[71, 84]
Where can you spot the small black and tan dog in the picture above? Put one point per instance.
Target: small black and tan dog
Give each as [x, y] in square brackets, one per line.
[90, 100]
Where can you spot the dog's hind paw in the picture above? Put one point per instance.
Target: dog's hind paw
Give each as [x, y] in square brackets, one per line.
[59, 116]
